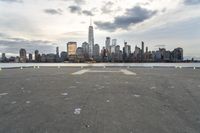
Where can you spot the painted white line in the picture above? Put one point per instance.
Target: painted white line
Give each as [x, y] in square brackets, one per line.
[3, 94]
[100, 71]
[64, 94]
[126, 72]
[80, 72]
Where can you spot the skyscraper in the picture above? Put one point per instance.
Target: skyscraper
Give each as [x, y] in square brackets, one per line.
[107, 43]
[142, 51]
[57, 52]
[91, 40]
[22, 55]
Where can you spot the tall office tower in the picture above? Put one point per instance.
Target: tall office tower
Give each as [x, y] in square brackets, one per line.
[71, 50]
[91, 40]
[22, 55]
[3, 57]
[142, 51]
[85, 47]
[37, 56]
[114, 42]
[107, 43]
[96, 50]
[57, 51]
[30, 57]
[146, 49]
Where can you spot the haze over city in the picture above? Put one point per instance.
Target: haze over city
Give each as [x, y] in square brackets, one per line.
[47, 24]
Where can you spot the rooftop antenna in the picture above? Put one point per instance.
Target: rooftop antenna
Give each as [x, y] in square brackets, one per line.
[90, 21]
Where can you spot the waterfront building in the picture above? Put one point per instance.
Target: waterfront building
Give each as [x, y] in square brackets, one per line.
[37, 56]
[3, 57]
[177, 55]
[22, 55]
[71, 50]
[63, 56]
[85, 47]
[79, 54]
[30, 57]
[91, 40]
[43, 58]
[96, 51]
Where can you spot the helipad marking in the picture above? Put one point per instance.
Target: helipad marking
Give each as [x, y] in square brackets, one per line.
[80, 72]
[124, 71]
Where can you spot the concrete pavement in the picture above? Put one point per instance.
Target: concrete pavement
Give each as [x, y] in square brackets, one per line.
[53, 100]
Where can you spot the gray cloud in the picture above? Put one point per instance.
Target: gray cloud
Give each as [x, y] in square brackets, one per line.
[12, 1]
[53, 11]
[191, 2]
[132, 16]
[87, 13]
[75, 9]
[13, 45]
[78, 10]
[107, 7]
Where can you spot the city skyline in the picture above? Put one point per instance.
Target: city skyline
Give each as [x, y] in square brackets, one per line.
[133, 22]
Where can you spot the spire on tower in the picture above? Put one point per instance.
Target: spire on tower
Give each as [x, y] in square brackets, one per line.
[90, 21]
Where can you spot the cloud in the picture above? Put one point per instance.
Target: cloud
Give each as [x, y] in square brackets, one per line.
[75, 9]
[107, 7]
[13, 45]
[12, 1]
[78, 2]
[87, 13]
[132, 16]
[191, 2]
[78, 10]
[53, 11]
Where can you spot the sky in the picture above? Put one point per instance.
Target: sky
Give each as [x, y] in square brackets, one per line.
[45, 24]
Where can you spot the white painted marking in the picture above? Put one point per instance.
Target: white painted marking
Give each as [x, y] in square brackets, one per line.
[72, 87]
[153, 88]
[126, 72]
[3, 94]
[107, 101]
[77, 111]
[28, 102]
[22, 88]
[101, 71]
[137, 96]
[34, 67]
[80, 72]
[38, 67]
[194, 67]
[13, 102]
[21, 68]
[64, 94]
